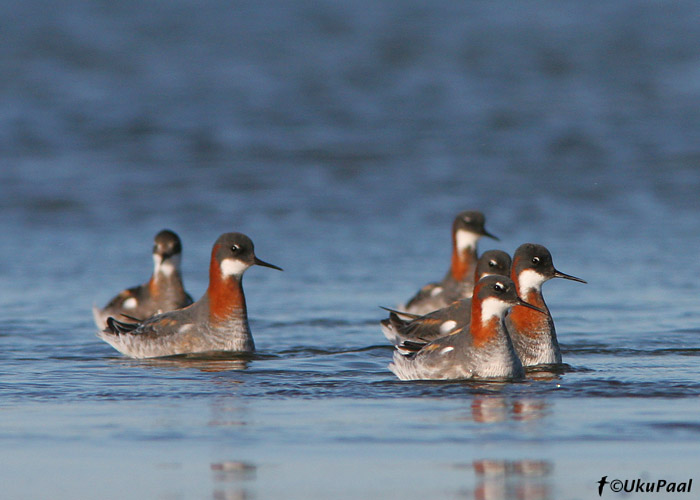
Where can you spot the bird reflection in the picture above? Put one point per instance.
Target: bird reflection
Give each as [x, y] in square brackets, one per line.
[232, 473]
[529, 409]
[205, 362]
[547, 373]
[228, 412]
[230, 495]
[512, 479]
[488, 409]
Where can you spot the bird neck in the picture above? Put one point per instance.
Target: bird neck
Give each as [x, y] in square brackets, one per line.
[166, 276]
[527, 321]
[464, 258]
[485, 326]
[226, 299]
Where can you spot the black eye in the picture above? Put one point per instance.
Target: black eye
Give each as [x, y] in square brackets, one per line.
[535, 260]
[493, 263]
[499, 287]
[235, 248]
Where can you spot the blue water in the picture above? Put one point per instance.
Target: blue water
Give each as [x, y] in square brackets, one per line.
[343, 138]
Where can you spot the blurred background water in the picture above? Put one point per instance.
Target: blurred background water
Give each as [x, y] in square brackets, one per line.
[343, 138]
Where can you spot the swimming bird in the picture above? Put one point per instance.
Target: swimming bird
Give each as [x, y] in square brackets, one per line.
[533, 334]
[443, 321]
[163, 292]
[483, 350]
[216, 322]
[467, 229]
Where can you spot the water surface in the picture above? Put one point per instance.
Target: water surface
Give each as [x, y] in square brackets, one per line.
[343, 139]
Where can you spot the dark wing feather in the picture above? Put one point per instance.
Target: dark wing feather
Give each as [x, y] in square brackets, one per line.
[116, 327]
[136, 320]
[428, 327]
[422, 329]
[401, 313]
[410, 346]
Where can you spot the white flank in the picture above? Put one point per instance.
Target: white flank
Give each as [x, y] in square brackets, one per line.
[447, 327]
[492, 307]
[130, 303]
[529, 280]
[233, 267]
[466, 239]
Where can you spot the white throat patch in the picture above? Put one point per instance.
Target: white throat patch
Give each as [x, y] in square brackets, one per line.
[492, 307]
[168, 267]
[233, 267]
[466, 239]
[529, 280]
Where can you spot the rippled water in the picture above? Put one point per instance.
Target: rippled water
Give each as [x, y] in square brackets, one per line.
[343, 138]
